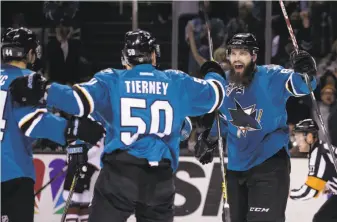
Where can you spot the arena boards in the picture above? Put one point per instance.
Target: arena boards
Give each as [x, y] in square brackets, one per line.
[198, 197]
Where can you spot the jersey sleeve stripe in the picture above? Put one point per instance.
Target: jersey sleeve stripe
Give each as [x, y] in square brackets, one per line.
[219, 94]
[27, 121]
[88, 96]
[79, 103]
[315, 183]
[85, 98]
[291, 88]
[33, 124]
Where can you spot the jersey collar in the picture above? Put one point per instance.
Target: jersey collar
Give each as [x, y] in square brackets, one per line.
[144, 67]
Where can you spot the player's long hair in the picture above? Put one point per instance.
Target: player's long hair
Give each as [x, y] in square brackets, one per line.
[246, 78]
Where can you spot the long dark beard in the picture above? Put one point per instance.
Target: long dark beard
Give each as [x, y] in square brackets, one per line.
[246, 78]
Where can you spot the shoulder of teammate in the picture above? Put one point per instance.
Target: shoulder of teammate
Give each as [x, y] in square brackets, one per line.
[104, 76]
[202, 95]
[90, 94]
[175, 72]
[272, 69]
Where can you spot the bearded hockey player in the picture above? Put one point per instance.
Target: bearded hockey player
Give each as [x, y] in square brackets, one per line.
[322, 176]
[257, 139]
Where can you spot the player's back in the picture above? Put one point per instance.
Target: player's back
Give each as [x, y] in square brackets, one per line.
[16, 150]
[147, 116]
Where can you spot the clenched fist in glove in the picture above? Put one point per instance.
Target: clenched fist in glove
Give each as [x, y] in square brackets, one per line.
[29, 89]
[84, 129]
[205, 147]
[303, 63]
[211, 66]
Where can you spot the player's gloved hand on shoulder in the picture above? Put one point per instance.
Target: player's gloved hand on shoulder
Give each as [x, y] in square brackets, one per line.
[205, 147]
[303, 63]
[211, 66]
[29, 89]
[84, 129]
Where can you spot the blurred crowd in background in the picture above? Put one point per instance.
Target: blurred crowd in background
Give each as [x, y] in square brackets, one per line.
[80, 38]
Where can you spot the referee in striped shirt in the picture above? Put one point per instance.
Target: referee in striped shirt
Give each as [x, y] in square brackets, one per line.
[322, 176]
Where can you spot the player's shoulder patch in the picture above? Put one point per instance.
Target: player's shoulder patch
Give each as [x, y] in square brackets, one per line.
[88, 83]
[286, 71]
[272, 67]
[107, 71]
[174, 71]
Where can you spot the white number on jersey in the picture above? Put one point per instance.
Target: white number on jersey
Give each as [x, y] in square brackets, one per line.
[286, 71]
[127, 119]
[201, 81]
[3, 97]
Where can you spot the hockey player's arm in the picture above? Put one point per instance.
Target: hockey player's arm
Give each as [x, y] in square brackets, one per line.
[80, 99]
[315, 182]
[287, 82]
[295, 84]
[201, 96]
[39, 123]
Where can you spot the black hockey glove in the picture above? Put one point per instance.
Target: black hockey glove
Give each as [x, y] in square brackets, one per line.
[303, 62]
[211, 66]
[77, 155]
[84, 129]
[205, 147]
[28, 90]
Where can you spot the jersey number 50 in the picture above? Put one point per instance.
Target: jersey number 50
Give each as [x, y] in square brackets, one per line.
[128, 120]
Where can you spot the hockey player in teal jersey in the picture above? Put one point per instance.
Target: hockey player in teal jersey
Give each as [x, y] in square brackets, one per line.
[19, 125]
[78, 209]
[257, 138]
[146, 108]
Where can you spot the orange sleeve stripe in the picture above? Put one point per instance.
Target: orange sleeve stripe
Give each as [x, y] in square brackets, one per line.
[315, 183]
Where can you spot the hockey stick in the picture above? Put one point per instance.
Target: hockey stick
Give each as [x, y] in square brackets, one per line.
[307, 81]
[220, 141]
[72, 190]
[65, 168]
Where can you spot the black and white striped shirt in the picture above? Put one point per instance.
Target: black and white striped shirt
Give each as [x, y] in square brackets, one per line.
[322, 174]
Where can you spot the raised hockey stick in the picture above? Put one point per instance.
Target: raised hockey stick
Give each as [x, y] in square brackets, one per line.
[307, 81]
[64, 170]
[220, 141]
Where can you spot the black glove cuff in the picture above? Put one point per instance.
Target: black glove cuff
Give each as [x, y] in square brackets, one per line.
[211, 66]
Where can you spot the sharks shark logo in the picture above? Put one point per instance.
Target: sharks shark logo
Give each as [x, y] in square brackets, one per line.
[245, 119]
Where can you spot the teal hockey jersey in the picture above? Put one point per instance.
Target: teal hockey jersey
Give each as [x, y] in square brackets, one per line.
[255, 117]
[19, 125]
[145, 107]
